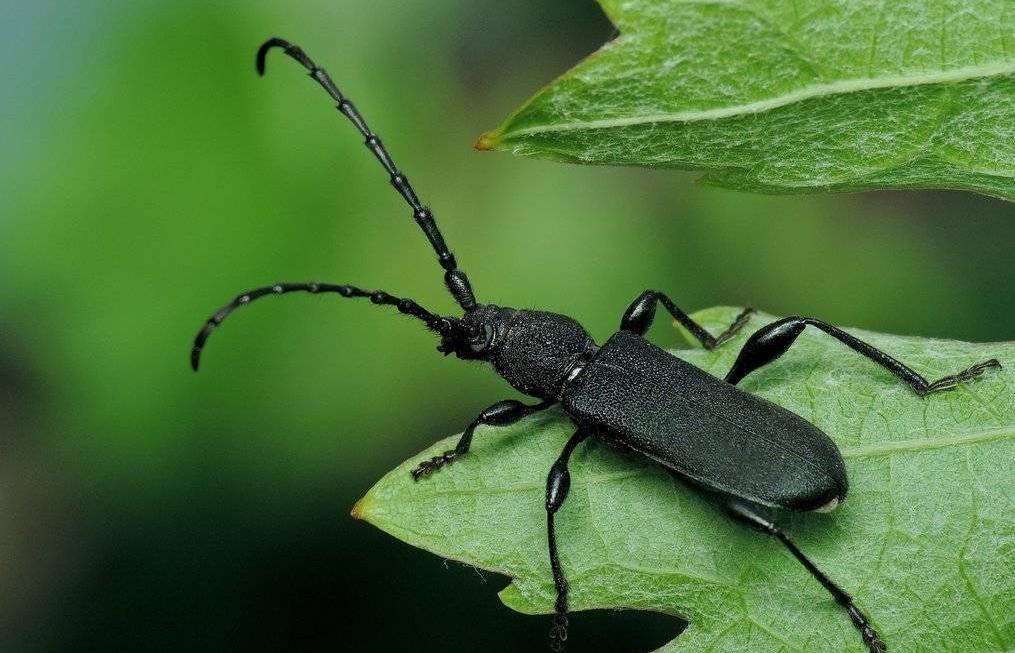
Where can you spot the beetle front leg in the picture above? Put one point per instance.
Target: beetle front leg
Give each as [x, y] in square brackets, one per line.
[558, 482]
[743, 514]
[772, 341]
[502, 413]
[639, 316]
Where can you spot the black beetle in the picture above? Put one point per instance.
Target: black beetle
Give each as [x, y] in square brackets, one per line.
[743, 450]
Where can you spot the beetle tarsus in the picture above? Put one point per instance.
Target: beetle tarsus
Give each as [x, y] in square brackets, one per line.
[870, 636]
[733, 329]
[558, 632]
[428, 467]
[968, 374]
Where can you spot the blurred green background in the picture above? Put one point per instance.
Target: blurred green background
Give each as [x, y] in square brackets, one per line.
[149, 176]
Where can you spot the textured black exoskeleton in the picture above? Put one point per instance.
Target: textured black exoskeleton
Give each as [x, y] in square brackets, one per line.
[744, 451]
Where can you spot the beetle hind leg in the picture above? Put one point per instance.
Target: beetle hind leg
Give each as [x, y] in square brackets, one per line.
[745, 515]
[772, 341]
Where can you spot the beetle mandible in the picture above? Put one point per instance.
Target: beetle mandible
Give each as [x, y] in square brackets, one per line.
[746, 452]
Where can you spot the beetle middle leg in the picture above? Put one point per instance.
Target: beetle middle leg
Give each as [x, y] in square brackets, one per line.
[772, 341]
[502, 413]
[558, 482]
[639, 316]
[742, 513]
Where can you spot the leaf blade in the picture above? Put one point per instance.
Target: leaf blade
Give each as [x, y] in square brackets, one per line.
[767, 100]
[648, 543]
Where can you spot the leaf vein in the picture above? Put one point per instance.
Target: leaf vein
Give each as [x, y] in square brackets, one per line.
[910, 446]
[842, 87]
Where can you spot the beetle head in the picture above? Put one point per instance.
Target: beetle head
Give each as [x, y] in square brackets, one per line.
[477, 335]
[533, 350]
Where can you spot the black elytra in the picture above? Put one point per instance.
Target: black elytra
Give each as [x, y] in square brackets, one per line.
[743, 451]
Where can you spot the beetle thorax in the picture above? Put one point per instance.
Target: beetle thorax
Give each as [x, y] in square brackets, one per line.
[538, 350]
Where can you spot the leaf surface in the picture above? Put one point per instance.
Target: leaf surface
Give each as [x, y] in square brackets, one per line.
[924, 541]
[781, 96]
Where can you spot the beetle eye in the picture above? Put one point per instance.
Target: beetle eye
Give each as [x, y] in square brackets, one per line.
[479, 340]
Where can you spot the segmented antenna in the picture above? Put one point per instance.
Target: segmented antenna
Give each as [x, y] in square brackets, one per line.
[405, 306]
[455, 279]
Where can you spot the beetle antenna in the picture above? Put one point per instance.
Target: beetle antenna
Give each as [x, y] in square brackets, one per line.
[455, 279]
[441, 325]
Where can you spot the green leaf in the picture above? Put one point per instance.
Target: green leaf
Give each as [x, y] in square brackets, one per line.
[778, 96]
[924, 541]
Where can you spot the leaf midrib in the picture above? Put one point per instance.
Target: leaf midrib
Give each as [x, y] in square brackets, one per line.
[901, 446]
[924, 444]
[840, 87]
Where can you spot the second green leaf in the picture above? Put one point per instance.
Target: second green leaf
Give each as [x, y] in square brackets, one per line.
[779, 96]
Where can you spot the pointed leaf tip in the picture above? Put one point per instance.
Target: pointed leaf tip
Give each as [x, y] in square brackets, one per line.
[360, 509]
[487, 141]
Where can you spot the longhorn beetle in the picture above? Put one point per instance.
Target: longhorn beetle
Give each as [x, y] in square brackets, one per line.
[744, 451]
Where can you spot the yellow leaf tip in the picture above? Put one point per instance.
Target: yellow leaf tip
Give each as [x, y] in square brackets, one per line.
[361, 508]
[487, 141]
